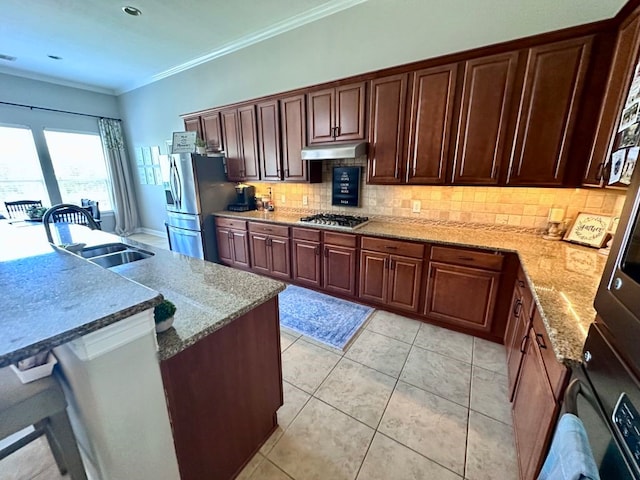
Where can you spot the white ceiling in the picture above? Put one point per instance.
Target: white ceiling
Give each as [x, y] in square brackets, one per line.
[106, 50]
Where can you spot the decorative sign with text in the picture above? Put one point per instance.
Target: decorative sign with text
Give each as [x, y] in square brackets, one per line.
[589, 229]
[184, 142]
[345, 190]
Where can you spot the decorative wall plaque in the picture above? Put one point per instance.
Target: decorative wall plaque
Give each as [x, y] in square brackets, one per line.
[589, 229]
[345, 190]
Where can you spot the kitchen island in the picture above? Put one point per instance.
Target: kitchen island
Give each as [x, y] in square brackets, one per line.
[60, 301]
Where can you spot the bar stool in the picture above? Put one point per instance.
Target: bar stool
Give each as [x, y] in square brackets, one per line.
[40, 403]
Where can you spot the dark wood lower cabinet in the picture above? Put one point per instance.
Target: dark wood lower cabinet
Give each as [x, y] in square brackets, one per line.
[270, 255]
[223, 393]
[306, 262]
[373, 276]
[233, 246]
[339, 269]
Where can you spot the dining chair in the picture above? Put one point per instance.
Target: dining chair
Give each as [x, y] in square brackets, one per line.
[18, 209]
[68, 213]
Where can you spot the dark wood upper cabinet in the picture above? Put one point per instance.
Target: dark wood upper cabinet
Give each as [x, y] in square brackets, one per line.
[192, 124]
[387, 108]
[293, 119]
[269, 140]
[483, 124]
[552, 86]
[212, 131]
[249, 138]
[432, 103]
[337, 114]
[620, 75]
[240, 135]
[231, 134]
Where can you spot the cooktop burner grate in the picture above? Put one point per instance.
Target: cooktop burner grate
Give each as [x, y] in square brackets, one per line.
[336, 220]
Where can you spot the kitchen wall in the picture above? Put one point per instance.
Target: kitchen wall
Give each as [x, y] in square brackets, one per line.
[514, 206]
[369, 36]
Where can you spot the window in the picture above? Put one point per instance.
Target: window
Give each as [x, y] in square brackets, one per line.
[20, 173]
[80, 167]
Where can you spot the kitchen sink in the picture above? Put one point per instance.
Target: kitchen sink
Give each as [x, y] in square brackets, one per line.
[113, 254]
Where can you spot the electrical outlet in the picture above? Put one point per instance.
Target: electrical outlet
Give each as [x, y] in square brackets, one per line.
[305, 200]
[416, 206]
[282, 199]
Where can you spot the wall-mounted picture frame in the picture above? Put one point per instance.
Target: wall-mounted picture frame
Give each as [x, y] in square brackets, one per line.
[589, 229]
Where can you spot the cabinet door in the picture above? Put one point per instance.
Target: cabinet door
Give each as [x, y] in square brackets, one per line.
[193, 125]
[387, 105]
[432, 102]
[620, 76]
[534, 412]
[484, 118]
[306, 263]
[269, 140]
[461, 296]
[349, 112]
[339, 270]
[240, 245]
[249, 141]
[259, 252]
[293, 119]
[223, 236]
[233, 147]
[516, 338]
[374, 278]
[404, 282]
[212, 131]
[279, 257]
[552, 87]
[321, 116]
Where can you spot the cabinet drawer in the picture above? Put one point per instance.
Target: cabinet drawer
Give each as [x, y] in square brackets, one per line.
[269, 229]
[396, 247]
[305, 234]
[556, 372]
[231, 223]
[458, 256]
[340, 239]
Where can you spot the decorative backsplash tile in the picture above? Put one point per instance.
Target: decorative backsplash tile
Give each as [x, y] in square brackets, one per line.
[513, 206]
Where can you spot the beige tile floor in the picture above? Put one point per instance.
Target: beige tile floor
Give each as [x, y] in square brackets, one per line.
[407, 400]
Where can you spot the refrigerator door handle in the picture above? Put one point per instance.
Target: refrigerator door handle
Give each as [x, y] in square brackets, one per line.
[175, 184]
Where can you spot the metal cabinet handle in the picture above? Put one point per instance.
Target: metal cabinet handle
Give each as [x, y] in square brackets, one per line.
[466, 259]
[520, 283]
[268, 230]
[391, 264]
[390, 247]
[518, 308]
[326, 251]
[286, 172]
[386, 262]
[540, 341]
[600, 172]
[317, 250]
[523, 344]
[397, 173]
[230, 235]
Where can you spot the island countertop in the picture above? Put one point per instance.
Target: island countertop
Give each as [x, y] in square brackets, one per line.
[563, 277]
[52, 296]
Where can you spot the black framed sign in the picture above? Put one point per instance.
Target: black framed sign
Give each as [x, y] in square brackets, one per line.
[345, 190]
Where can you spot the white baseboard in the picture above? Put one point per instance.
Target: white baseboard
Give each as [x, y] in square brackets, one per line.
[149, 231]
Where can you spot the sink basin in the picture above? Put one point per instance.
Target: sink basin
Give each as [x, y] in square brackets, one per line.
[114, 254]
[90, 252]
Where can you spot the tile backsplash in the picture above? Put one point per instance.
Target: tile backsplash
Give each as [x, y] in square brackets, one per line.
[515, 206]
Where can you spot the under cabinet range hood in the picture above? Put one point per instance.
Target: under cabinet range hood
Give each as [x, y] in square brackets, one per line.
[330, 151]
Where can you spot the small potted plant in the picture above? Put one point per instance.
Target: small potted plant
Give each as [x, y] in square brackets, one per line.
[163, 315]
[201, 146]
[36, 213]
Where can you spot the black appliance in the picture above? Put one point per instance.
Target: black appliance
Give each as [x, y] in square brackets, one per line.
[604, 393]
[349, 222]
[245, 199]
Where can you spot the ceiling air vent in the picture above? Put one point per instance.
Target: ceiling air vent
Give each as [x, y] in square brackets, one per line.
[8, 58]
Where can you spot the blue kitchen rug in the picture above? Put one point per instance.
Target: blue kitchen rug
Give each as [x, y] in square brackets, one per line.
[324, 318]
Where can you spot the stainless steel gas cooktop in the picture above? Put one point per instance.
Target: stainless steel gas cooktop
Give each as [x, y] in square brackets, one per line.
[349, 222]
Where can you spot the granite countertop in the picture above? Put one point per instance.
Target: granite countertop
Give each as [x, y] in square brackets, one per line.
[563, 277]
[68, 296]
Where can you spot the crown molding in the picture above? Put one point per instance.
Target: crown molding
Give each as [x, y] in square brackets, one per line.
[55, 80]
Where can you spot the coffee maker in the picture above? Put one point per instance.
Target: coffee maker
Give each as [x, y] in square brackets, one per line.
[246, 199]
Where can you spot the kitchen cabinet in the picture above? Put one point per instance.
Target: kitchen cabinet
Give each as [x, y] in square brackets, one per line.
[553, 83]
[518, 329]
[387, 109]
[233, 242]
[192, 124]
[240, 138]
[621, 73]
[391, 278]
[306, 257]
[212, 131]
[536, 404]
[270, 251]
[483, 125]
[228, 381]
[292, 121]
[268, 115]
[337, 114]
[455, 274]
[432, 104]
[339, 263]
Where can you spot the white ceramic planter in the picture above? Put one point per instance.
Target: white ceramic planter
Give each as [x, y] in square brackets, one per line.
[164, 325]
[201, 150]
[34, 373]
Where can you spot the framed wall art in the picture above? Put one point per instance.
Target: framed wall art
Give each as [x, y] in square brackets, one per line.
[589, 229]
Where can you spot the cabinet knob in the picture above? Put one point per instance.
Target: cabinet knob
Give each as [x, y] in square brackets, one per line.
[587, 356]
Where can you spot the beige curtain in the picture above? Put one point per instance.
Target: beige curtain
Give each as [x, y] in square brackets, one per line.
[123, 187]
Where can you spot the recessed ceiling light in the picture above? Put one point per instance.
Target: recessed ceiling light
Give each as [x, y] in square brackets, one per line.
[8, 58]
[133, 11]
[54, 57]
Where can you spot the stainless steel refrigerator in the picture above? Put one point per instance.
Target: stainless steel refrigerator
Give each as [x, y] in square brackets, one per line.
[195, 187]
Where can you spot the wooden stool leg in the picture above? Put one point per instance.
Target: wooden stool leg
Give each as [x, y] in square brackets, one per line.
[60, 434]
